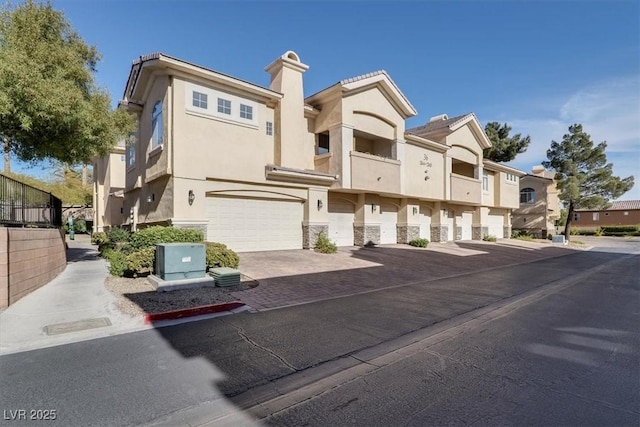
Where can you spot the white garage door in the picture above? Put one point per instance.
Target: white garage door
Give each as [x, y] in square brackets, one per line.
[496, 223]
[341, 215]
[246, 225]
[466, 222]
[425, 222]
[388, 221]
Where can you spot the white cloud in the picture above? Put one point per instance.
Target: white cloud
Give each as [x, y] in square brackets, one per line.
[609, 111]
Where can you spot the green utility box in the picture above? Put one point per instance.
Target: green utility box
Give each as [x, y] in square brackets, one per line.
[175, 261]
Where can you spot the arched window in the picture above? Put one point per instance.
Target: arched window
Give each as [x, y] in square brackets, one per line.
[156, 125]
[527, 195]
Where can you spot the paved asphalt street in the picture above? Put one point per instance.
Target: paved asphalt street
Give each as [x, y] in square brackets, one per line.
[550, 342]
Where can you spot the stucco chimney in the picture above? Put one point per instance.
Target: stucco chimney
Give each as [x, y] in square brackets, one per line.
[291, 126]
[538, 170]
[438, 118]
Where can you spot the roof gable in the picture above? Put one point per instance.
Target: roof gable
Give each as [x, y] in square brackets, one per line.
[442, 126]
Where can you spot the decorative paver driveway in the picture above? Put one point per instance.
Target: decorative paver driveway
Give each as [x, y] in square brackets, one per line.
[302, 276]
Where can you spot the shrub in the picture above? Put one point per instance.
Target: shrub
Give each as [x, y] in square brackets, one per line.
[117, 262]
[140, 262]
[100, 238]
[620, 228]
[80, 226]
[419, 243]
[489, 238]
[117, 234]
[524, 237]
[151, 236]
[218, 255]
[324, 245]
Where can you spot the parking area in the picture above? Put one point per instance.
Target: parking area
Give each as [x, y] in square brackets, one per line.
[302, 276]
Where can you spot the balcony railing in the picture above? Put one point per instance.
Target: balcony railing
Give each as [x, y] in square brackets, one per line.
[374, 173]
[22, 205]
[465, 189]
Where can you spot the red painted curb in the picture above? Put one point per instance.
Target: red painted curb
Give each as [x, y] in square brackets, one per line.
[190, 312]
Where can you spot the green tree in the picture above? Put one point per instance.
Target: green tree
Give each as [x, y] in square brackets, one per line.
[585, 179]
[50, 105]
[504, 148]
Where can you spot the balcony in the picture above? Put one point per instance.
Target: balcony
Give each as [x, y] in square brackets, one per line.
[466, 190]
[374, 173]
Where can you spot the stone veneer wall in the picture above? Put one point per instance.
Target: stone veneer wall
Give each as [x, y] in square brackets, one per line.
[310, 234]
[439, 233]
[200, 227]
[407, 233]
[479, 232]
[363, 234]
[29, 259]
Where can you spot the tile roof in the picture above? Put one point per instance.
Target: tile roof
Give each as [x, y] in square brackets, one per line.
[621, 205]
[437, 125]
[363, 76]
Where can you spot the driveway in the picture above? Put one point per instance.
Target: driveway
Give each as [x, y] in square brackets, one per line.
[303, 276]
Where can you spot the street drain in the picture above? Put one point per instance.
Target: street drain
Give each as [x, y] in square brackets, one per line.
[79, 325]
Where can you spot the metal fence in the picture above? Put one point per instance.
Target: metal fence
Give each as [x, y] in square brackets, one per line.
[23, 205]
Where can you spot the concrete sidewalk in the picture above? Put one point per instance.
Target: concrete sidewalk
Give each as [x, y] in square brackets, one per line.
[74, 306]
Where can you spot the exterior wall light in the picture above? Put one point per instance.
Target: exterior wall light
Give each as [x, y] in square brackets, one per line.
[373, 207]
[192, 197]
[320, 204]
[415, 210]
[151, 197]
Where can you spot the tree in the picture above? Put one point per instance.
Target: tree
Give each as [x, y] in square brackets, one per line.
[504, 148]
[584, 178]
[50, 105]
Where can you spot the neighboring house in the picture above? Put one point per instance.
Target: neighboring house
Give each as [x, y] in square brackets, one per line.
[624, 212]
[108, 194]
[266, 168]
[539, 204]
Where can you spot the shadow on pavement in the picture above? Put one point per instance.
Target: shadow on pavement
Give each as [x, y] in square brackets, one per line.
[79, 254]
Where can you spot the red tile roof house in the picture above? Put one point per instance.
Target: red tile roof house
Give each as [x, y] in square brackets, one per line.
[624, 212]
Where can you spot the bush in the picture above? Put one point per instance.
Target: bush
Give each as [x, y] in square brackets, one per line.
[218, 255]
[80, 226]
[99, 238]
[419, 243]
[489, 238]
[151, 236]
[140, 262]
[117, 234]
[324, 245]
[620, 229]
[117, 262]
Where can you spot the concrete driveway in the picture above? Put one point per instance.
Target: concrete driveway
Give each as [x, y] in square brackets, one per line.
[303, 276]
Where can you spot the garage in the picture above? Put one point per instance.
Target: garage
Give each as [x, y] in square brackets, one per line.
[388, 221]
[246, 225]
[466, 223]
[341, 216]
[495, 224]
[425, 222]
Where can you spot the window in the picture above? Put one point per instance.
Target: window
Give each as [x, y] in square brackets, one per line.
[323, 143]
[512, 178]
[199, 100]
[576, 217]
[156, 125]
[269, 128]
[131, 150]
[485, 180]
[246, 112]
[527, 195]
[596, 216]
[224, 106]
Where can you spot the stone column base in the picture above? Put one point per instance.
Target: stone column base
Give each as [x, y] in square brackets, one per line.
[439, 233]
[458, 235]
[479, 232]
[506, 232]
[310, 234]
[407, 233]
[366, 234]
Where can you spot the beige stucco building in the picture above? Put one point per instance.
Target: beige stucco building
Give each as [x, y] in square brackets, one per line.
[539, 203]
[263, 168]
[108, 189]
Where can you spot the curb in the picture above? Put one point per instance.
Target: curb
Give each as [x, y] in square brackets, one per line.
[190, 312]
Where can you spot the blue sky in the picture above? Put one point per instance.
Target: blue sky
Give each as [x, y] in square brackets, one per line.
[538, 65]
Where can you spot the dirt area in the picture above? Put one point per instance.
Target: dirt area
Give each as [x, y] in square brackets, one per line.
[138, 297]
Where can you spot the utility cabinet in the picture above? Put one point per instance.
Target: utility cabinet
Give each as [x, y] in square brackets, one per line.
[175, 261]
